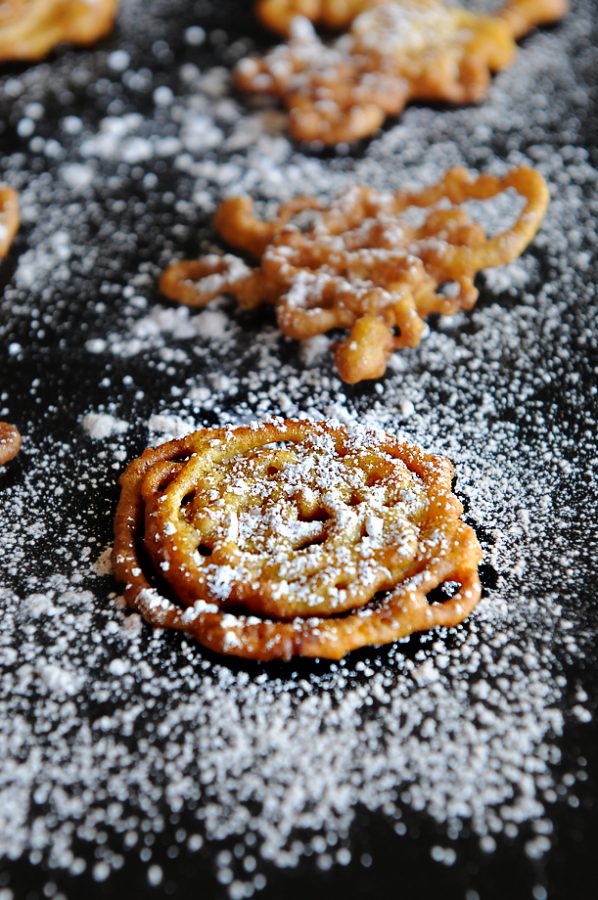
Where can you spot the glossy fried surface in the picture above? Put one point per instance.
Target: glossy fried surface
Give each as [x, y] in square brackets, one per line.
[30, 29]
[394, 52]
[293, 538]
[360, 265]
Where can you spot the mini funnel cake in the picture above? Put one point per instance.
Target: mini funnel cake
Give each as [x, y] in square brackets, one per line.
[30, 29]
[360, 264]
[394, 52]
[293, 538]
[10, 439]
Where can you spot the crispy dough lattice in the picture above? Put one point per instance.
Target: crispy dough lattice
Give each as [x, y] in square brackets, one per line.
[293, 538]
[10, 439]
[30, 29]
[359, 265]
[394, 52]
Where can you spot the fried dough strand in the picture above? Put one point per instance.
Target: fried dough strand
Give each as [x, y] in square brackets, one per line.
[30, 29]
[293, 538]
[10, 442]
[358, 265]
[9, 218]
[393, 53]
[278, 15]
[10, 438]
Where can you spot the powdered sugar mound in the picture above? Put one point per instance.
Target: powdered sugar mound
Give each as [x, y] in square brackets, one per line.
[169, 426]
[103, 564]
[45, 261]
[102, 425]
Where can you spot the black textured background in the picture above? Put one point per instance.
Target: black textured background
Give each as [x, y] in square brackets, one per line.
[52, 351]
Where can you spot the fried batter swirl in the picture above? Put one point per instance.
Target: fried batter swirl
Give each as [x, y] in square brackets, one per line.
[293, 538]
[394, 52]
[30, 29]
[359, 265]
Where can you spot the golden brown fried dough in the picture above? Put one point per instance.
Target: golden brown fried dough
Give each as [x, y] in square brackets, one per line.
[359, 265]
[394, 52]
[336, 14]
[10, 442]
[30, 29]
[293, 538]
[10, 439]
[9, 218]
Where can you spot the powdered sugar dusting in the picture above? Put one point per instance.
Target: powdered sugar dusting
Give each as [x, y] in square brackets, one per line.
[124, 747]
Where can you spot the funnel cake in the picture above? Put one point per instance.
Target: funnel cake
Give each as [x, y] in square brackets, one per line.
[30, 29]
[394, 52]
[293, 538]
[359, 265]
[10, 439]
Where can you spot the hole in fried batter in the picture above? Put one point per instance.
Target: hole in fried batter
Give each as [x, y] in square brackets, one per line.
[343, 584]
[443, 592]
[317, 515]
[310, 541]
[204, 550]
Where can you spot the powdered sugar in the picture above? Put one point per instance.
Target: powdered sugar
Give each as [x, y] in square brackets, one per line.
[102, 425]
[119, 745]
